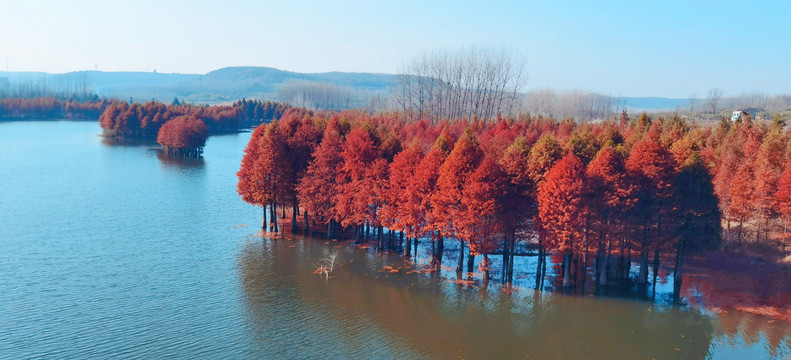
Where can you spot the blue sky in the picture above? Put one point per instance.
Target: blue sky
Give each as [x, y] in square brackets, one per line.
[626, 48]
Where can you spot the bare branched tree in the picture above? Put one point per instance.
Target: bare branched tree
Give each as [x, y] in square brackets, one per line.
[713, 100]
[318, 96]
[693, 98]
[474, 82]
[578, 105]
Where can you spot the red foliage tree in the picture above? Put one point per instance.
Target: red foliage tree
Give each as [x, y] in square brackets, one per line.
[453, 173]
[653, 169]
[183, 135]
[317, 189]
[561, 208]
[249, 187]
[480, 223]
[356, 191]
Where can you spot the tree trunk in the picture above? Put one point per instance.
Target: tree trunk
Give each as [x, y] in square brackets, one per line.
[274, 217]
[603, 269]
[486, 269]
[538, 266]
[512, 247]
[503, 278]
[440, 249]
[294, 217]
[305, 214]
[263, 219]
[408, 248]
[460, 266]
[642, 278]
[566, 270]
[656, 272]
[470, 261]
[379, 237]
[329, 229]
[677, 275]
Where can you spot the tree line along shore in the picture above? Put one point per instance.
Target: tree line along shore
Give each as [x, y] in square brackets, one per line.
[595, 193]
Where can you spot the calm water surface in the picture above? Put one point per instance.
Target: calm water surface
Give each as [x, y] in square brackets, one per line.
[113, 251]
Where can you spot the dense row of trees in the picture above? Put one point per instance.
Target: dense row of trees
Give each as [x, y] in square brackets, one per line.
[52, 108]
[143, 121]
[601, 191]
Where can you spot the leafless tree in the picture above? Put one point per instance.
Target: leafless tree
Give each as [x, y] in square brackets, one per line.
[315, 95]
[713, 100]
[472, 82]
[693, 98]
[578, 105]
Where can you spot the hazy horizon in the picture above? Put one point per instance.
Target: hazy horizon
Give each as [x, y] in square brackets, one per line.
[670, 50]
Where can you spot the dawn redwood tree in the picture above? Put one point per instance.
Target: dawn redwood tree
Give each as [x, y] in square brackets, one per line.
[653, 169]
[453, 173]
[395, 212]
[561, 208]
[543, 155]
[249, 186]
[419, 208]
[480, 223]
[696, 214]
[610, 196]
[272, 169]
[769, 166]
[782, 204]
[729, 161]
[355, 188]
[518, 199]
[318, 188]
[742, 194]
[302, 139]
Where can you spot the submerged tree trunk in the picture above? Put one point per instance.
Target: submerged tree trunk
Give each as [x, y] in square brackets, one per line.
[603, 267]
[470, 261]
[642, 278]
[506, 256]
[440, 250]
[294, 217]
[380, 237]
[512, 248]
[656, 272]
[486, 267]
[538, 266]
[460, 266]
[274, 217]
[677, 275]
[566, 270]
[305, 213]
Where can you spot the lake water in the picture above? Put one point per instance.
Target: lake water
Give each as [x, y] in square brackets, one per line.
[114, 251]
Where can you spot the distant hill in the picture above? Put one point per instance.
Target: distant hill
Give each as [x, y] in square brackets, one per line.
[223, 85]
[234, 83]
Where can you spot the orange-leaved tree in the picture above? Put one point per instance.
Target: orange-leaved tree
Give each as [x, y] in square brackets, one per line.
[561, 208]
[453, 173]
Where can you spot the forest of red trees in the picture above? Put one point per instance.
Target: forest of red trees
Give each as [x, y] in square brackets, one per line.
[143, 121]
[52, 108]
[657, 188]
